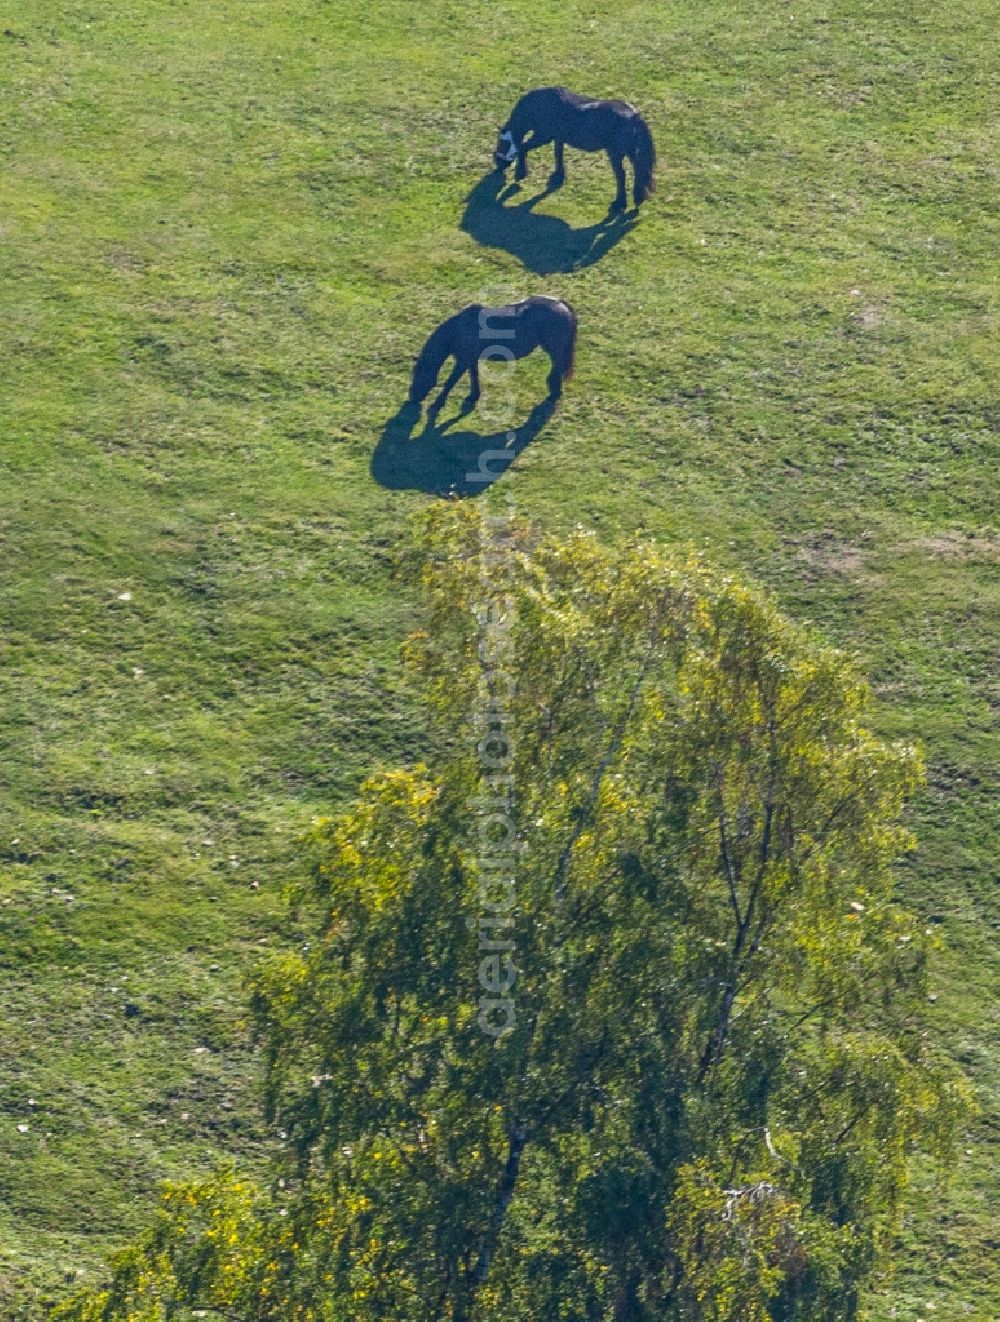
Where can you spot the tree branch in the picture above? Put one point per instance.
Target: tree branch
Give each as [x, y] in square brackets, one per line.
[504, 1196]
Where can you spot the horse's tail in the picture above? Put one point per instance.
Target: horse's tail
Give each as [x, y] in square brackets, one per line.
[567, 355]
[643, 157]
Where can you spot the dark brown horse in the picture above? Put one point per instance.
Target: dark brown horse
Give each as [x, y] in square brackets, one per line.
[557, 115]
[496, 334]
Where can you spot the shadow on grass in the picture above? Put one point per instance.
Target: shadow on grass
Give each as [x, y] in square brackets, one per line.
[544, 244]
[442, 462]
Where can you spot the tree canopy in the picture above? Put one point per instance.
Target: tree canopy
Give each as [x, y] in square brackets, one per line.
[608, 1008]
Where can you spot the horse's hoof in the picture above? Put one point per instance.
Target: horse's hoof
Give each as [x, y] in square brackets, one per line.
[556, 179]
[617, 207]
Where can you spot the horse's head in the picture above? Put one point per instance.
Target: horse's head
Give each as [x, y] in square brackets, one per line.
[506, 152]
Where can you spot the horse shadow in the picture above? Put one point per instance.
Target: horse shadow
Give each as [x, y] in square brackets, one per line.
[543, 244]
[442, 462]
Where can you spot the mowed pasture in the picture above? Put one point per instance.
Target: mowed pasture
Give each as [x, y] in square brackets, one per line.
[226, 229]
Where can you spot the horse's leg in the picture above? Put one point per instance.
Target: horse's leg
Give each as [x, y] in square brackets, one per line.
[621, 199]
[529, 143]
[554, 380]
[559, 173]
[524, 145]
[453, 376]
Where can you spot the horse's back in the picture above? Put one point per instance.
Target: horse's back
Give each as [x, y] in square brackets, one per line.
[515, 309]
[588, 123]
[542, 98]
[577, 101]
[530, 318]
[547, 302]
[544, 313]
[556, 99]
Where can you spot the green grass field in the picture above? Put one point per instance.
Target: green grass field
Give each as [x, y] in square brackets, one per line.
[225, 230]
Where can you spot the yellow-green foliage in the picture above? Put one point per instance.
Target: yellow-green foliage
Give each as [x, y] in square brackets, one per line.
[719, 1069]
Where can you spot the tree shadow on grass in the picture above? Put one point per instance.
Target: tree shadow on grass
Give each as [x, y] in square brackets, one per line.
[442, 462]
[544, 244]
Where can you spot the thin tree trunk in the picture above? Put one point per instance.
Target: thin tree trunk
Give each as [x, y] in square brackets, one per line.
[505, 1195]
[467, 1289]
[627, 1299]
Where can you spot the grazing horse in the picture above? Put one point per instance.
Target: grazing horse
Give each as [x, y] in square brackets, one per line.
[554, 114]
[489, 334]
